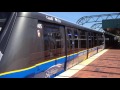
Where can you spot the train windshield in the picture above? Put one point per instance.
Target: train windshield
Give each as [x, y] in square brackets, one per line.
[4, 16]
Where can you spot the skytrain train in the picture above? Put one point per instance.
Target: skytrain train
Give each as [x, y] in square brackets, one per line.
[37, 45]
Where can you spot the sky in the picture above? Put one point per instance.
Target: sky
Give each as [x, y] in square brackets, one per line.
[74, 16]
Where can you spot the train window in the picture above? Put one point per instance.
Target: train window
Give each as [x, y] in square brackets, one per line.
[76, 40]
[46, 40]
[53, 41]
[75, 34]
[95, 39]
[69, 33]
[79, 41]
[4, 16]
[49, 42]
[100, 39]
[83, 36]
[83, 40]
[90, 40]
[70, 41]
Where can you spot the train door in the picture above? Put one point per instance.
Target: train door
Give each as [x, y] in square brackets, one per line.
[84, 44]
[70, 47]
[73, 43]
[76, 46]
[54, 50]
[91, 47]
[95, 42]
[100, 42]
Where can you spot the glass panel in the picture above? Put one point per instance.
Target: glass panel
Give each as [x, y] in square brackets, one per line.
[83, 40]
[4, 16]
[53, 43]
[76, 40]
[70, 41]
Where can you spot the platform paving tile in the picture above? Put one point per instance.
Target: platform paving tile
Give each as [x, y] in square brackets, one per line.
[90, 74]
[105, 66]
[102, 69]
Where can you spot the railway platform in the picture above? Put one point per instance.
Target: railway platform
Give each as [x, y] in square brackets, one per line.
[105, 64]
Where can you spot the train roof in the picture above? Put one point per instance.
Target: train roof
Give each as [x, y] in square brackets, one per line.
[52, 19]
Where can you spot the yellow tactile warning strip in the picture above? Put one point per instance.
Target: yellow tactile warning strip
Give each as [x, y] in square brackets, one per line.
[75, 69]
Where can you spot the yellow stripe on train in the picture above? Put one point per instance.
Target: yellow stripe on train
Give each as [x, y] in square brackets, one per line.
[10, 72]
